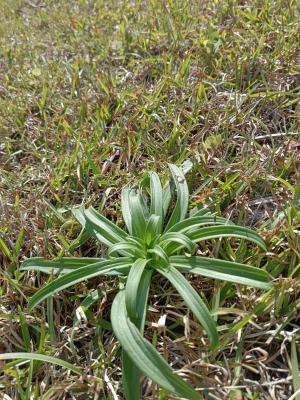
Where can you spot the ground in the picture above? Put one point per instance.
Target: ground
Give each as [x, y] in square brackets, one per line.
[93, 94]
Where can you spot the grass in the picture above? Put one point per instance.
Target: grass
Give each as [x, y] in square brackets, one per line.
[93, 93]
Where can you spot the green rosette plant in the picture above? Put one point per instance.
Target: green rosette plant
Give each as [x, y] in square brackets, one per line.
[156, 241]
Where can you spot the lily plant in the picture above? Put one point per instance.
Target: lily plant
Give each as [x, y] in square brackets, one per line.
[156, 240]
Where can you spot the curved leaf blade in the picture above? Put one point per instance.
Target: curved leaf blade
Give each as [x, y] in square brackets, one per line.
[170, 238]
[131, 373]
[195, 222]
[110, 232]
[137, 210]
[79, 275]
[62, 265]
[41, 357]
[216, 232]
[126, 209]
[127, 247]
[181, 206]
[132, 286]
[193, 301]
[156, 193]
[223, 270]
[144, 355]
[160, 254]
[153, 228]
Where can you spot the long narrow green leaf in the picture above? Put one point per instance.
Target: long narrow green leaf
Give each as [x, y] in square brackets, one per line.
[131, 376]
[143, 292]
[153, 228]
[167, 196]
[143, 354]
[223, 270]
[215, 232]
[129, 248]
[138, 221]
[79, 275]
[41, 357]
[62, 265]
[156, 196]
[295, 368]
[196, 222]
[200, 212]
[192, 300]
[161, 255]
[181, 206]
[169, 188]
[176, 237]
[131, 373]
[79, 214]
[126, 209]
[111, 232]
[132, 286]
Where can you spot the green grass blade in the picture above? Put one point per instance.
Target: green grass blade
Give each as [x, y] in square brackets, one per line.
[161, 255]
[111, 232]
[216, 232]
[41, 357]
[193, 301]
[153, 228]
[169, 188]
[143, 292]
[156, 196]
[77, 276]
[167, 196]
[144, 355]
[137, 210]
[181, 206]
[176, 237]
[131, 373]
[131, 376]
[50, 318]
[98, 226]
[196, 222]
[132, 286]
[200, 212]
[61, 265]
[125, 206]
[130, 249]
[78, 213]
[223, 270]
[295, 368]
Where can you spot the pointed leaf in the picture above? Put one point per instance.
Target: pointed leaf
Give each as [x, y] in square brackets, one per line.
[126, 209]
[223, 270]
[160, 255]
[216, 232]
[132, 286]
[175, 237]
[144, 355]
[138, 214]
[131, 373]
[193, 301]
[79, 275]
[111, 232]
[156, 196]
[61, 265]
[131, 249]
[181, 206]
[153, 228]
[195, 222]
[200, 212]
[41, 357]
